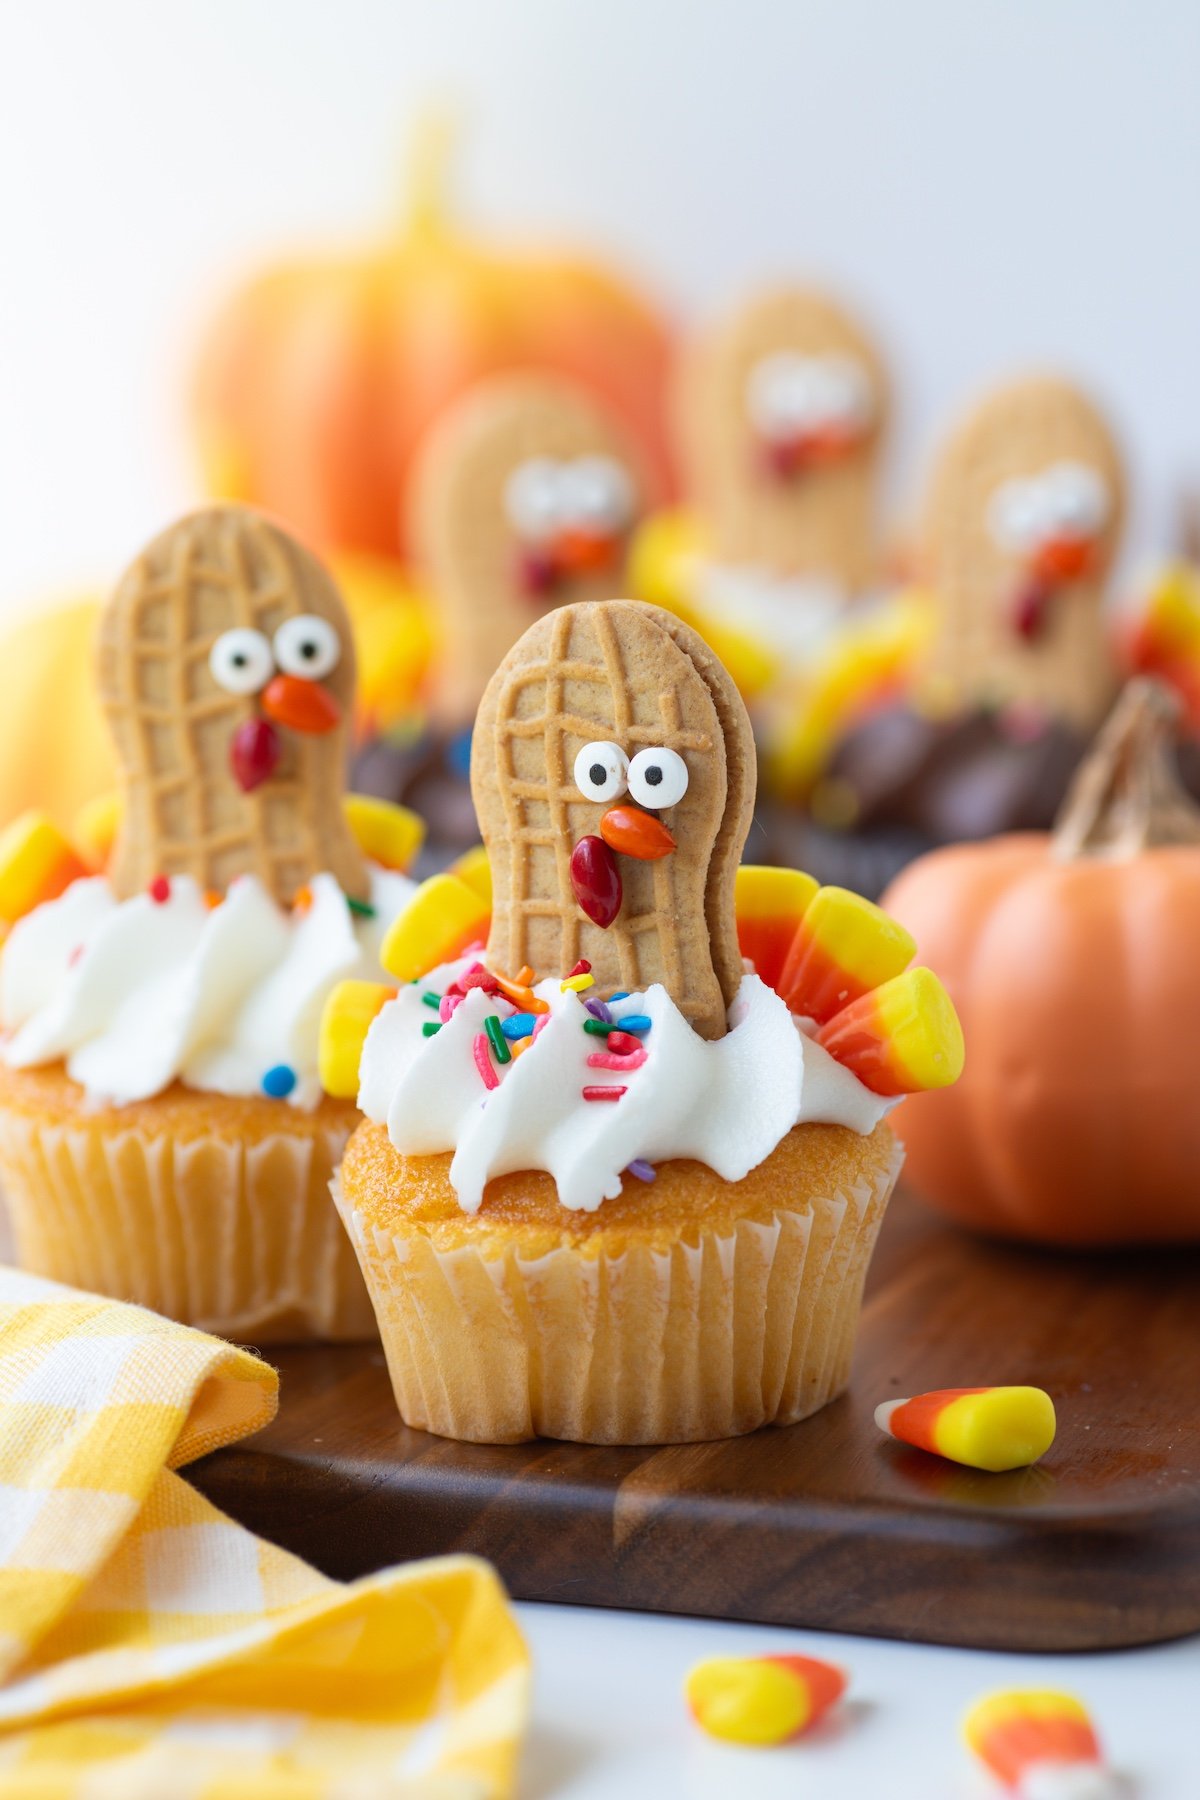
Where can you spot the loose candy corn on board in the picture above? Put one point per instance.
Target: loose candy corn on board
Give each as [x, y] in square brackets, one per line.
[829, 1524]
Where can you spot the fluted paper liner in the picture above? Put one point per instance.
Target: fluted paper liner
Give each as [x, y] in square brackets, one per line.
[703, 1340]
[238, 1239]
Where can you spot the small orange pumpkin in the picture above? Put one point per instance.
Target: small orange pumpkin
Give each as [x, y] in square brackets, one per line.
[319, 378]
[1074, 963]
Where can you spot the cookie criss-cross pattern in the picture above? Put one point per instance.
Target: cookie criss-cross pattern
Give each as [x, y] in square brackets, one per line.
[563, 803]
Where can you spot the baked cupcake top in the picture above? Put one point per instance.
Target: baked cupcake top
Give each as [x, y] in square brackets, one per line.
[693, 1008]
[198, 939]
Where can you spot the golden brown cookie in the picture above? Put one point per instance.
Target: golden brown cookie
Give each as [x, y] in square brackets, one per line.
[782, 409]
[226, 669]
[1020, 526]
[524, 497]
[612, 769]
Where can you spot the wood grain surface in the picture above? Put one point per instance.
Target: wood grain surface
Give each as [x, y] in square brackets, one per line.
[825, 1524]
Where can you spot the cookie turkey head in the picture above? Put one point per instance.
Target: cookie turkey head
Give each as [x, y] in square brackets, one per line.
[524, 500]
[612, 769]
[1019, 530]
[782, 408]
[226, 668]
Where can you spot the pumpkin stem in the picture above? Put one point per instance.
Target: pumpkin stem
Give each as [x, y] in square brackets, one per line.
[1126, 796]
[431, 152]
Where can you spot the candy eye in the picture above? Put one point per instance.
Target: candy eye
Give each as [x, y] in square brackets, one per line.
[308, 646]
[532, 499]
[596, 493]
[1017, 514]
[241, 661]
[1077, 500]
[658, 777]
[601, 771]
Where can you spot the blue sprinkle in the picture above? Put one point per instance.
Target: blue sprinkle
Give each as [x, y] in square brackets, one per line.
[636, 1022]
[519, 1025]
[599, 1011]
[623, 995]
[279, 1081]
[643, 1170]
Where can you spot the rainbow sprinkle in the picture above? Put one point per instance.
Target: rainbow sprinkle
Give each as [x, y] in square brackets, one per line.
[599, 1011]
[608, 1059]
[431, 1028]
[519, 1025]
[636, 1022]
[432, 999]
[497, 1039]
[362, 909]
[483, 1061]
[641, 1170]
[604, 1093]
[601, 1027]
[576, 984]
[448, 1005]
[582, 967]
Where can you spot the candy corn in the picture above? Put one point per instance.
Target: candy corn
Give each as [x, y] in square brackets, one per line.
[441, 919]
[761, 1700]
[345, 1022]
[388, 834]
[95, 829]
[843, 947]
[36, 864]
[903, 1038]
[986, 1428]
[769, 904]
[1041, 1745]
[474, 868]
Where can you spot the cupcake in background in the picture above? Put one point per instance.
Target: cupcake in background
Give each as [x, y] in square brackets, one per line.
[524, 497]
[623, 1165]
[164, 1137]
[1017, 537]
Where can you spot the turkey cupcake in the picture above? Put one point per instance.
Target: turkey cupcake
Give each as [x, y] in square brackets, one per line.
[625, 1157]
[164, 1136]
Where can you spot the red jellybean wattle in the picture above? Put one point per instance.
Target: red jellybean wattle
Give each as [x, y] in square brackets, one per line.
[254, 753]
[596, 880]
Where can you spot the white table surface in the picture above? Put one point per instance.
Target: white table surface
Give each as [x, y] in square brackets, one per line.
[610, 1722]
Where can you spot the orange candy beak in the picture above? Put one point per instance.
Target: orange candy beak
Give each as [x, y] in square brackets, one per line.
[300, 705]
[579, 552]
[1063, 559]
[632, 832]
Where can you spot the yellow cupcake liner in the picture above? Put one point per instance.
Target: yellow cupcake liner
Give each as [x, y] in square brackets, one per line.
[237, 1239]
[704, 1340]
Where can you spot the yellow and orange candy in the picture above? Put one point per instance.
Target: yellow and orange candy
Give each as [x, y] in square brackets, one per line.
[388, 834]
[993, 1428]
[442, 920]
[901, 1038]
[37, 863]
[345, 1022]
[1040, 1744]
[761, 1700]
[841, 961]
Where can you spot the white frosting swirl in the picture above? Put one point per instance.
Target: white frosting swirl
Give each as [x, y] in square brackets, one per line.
[134, 994]
[727, 1103]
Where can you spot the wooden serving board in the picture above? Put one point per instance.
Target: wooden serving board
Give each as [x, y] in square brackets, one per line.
[825, 1524]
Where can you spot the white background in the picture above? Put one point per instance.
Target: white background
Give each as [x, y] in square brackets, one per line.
[994, 183]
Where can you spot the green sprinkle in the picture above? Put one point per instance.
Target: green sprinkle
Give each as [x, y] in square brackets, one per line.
[432, 999]
[431, 1028]
[497, 1039]
[363, 908]
[600, 1027]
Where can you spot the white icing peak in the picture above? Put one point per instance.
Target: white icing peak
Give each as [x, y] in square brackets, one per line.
[138, 993]
[726, 1103]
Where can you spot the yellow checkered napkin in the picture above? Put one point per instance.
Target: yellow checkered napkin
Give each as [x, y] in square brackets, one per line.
[151, 1647]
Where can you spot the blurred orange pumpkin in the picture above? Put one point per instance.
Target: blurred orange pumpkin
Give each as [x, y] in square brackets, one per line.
[1074, 964]
[319, 378]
